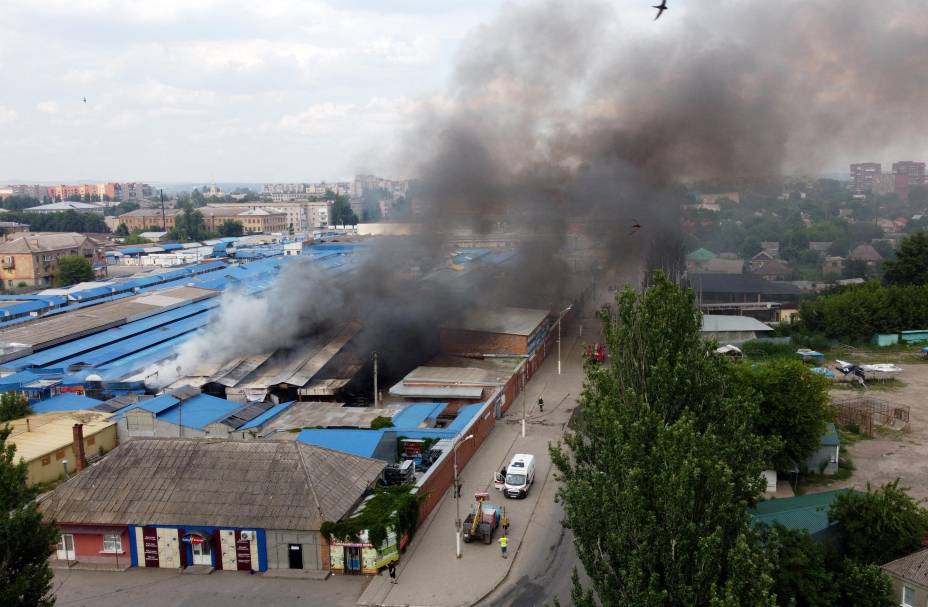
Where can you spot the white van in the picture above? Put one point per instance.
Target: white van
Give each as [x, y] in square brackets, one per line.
[520, 474]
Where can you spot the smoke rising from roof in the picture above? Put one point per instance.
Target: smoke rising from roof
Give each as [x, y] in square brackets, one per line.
[559, 114]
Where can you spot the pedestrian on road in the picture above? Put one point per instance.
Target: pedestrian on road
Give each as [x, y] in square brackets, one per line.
[505, 523]
[502, 544]
[541, 404]
[391, 567]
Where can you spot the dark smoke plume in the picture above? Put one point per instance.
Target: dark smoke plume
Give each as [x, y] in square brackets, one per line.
[562, 120]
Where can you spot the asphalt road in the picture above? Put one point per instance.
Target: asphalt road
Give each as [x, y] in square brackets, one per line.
[168, 588]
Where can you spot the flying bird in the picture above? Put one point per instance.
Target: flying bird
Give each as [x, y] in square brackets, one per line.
[85, 100]
[660, 9]
[635, 227]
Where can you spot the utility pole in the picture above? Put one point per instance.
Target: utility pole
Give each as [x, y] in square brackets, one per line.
[164, 222]
[559, 318]
[457, 498]
[523, 401]
[376, 397]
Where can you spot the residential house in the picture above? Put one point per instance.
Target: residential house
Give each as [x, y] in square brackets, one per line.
[696, 260]
[217, 504]
[820, 246]
[724, 265]
[771, 247]
[771, 269]
[910, 579]
[33, 258]
[867, 254]
[833, 265]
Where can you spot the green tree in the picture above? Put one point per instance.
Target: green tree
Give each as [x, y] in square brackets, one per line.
[188, 226]
[13, 405]
[18, 203]
[794, 407]
[231, 227]
[880, 525]
[341, 210]
[856, 268]
[25, 542]
[910, 267]
[658, 473]
[73, 269]
[121, 230]
[800, 568]
[864, 585]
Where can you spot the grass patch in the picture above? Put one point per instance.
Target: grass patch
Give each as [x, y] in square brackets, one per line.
[887, 385]
[887, 433]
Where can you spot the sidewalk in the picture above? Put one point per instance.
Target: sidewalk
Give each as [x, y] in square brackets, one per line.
[429, 573]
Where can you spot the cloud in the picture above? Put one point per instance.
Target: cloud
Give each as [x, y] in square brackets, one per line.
[7, 115]
[48, 107]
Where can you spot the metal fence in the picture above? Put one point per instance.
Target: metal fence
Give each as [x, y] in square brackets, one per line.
[866, 412]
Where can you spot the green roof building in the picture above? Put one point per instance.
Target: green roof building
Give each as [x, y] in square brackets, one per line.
[701, 255]
[804, 512]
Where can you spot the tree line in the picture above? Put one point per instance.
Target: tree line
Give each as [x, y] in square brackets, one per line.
[66, 221]
[666, 457]
[895, 303]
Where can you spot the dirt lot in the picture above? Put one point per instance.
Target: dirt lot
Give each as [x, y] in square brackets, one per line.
[890, 455]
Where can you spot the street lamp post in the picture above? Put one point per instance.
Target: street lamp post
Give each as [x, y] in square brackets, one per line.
[457, 497]
[559, 317]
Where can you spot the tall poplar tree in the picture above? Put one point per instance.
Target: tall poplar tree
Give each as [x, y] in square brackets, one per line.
[662, 464]
[25, 542]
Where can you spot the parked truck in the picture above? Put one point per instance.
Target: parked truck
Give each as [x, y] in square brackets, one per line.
[482, 522]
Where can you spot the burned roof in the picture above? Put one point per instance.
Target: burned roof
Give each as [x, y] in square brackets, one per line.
[509, 321]
[171, 481]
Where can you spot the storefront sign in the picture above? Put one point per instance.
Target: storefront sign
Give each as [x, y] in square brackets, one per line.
[243, 555]
[150, 545]
[193, 539]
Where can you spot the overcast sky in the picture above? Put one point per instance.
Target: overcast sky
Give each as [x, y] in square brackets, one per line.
[203, 90]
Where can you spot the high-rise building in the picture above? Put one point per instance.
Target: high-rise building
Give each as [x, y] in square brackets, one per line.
[907, 174]
[864, 175]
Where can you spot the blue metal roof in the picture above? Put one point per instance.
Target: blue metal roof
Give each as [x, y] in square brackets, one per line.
[355, 442]
[412, 416]
[64, 402]
[92, 292]
[465, 415]
[199, 411]
[171, 246]
[22, 308]
[267, 415]
[155, 405]
[132, 251]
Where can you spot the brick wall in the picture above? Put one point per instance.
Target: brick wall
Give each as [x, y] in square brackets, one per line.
[454, 341]
[441, 474]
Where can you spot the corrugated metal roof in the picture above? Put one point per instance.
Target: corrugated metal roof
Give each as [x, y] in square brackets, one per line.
[361, 443]
[808, 512]
[440, 392]
[262, 484]
[64, 402]
[199, 411]
[268, 415]
[48, 432]
[714, 323]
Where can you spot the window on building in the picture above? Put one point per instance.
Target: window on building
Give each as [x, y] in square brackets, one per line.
[908, 597]
[46, 460]
[91, 441]
[112, 542]
[59, 454]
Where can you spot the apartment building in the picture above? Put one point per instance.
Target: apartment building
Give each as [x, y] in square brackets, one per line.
[864, 175]
[302, 216]
[33, 258]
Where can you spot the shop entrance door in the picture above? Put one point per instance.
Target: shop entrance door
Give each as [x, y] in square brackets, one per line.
[295, 554]
[201, 554]
[66, 548]
[353, 560]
